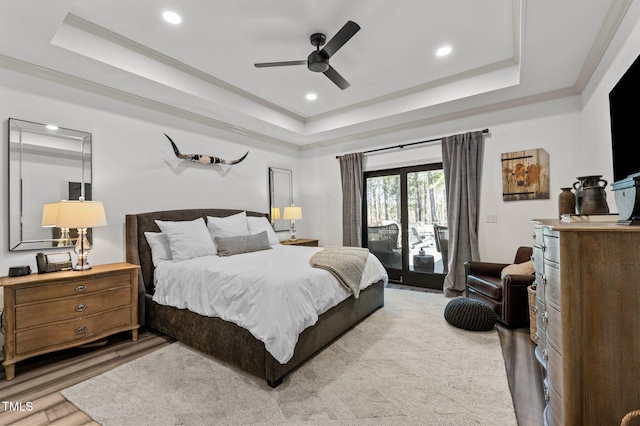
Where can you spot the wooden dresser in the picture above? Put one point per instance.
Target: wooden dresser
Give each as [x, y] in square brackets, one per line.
[588, 318]
[48, 312]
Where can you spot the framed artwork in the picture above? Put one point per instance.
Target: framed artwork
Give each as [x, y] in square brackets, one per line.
[525, 175]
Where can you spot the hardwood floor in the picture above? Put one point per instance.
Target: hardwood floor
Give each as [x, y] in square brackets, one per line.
[39, 380]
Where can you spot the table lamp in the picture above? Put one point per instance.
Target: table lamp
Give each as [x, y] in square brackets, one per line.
[82, 215]
[292, 213]
[275, 214]
[49, 218]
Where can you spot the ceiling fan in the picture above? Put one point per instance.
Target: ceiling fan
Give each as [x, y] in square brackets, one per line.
[318, 60]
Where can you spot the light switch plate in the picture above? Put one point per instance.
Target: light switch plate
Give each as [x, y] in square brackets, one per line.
[491, 218]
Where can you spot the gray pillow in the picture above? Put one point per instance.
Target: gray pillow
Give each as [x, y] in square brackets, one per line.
[228, 246]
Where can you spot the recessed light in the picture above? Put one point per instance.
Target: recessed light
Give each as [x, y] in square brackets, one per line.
[311, 96]
[172, 17]
[443, 51]
[52, 127]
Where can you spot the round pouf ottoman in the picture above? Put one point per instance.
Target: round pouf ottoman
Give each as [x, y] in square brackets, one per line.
[470, 314]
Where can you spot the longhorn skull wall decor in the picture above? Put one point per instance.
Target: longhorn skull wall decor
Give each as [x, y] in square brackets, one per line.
[205, 159]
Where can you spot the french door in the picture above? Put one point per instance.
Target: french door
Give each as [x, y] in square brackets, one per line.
[405, 223]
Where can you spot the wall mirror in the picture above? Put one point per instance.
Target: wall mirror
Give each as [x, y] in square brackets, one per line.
[46, 164]
[280, 196]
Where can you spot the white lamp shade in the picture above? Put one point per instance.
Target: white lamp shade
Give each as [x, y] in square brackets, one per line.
[275, 213]
[50, 215]
[292, 212]
[80, 214]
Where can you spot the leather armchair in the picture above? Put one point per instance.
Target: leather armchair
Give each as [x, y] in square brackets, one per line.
[507, 296]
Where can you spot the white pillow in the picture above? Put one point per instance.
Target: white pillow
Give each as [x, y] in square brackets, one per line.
[159, 244]
[230, 226]
[260, 224]
[188, 239]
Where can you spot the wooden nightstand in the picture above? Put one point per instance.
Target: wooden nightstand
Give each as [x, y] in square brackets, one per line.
[59, 310]
[301, 242]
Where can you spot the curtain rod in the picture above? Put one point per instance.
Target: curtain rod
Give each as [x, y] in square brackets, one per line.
[406, 144]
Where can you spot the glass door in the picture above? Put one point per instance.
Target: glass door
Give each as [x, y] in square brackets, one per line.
[406, 223]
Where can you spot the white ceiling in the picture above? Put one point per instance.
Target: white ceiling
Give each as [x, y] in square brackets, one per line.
[504, 51]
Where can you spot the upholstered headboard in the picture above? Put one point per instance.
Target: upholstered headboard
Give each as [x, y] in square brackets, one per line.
[138, 251]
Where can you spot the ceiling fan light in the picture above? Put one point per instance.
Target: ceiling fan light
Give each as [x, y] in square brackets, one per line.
[172, 17]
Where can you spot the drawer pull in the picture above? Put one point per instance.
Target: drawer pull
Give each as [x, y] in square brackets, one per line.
[81, 288]
[536, 336]
[545, 318]
[544, 279]
[81, 329]
[546, 393]
[545, 354]
[81, 307]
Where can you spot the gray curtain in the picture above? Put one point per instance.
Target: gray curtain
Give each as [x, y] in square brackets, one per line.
[352, 187]
[462, 161]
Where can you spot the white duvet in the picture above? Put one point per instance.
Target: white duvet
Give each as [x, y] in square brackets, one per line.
[275, 294]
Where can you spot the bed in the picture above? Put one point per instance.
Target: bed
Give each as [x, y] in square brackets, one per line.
[225, 340]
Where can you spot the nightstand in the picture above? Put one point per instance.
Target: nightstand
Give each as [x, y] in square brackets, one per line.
[301, 242]
[59, 310]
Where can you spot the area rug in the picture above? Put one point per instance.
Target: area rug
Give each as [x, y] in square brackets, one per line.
[404, 364]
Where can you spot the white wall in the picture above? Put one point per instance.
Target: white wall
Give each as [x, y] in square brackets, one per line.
[134, 167]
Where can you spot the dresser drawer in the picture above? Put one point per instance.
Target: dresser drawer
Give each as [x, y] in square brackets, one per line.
[71, 307]
[538, 258]
[541, 316]
[70, 331]
[68, 288]
[554, 328]
[541, 286]
[552, 275]
[551, 246]
[554, 368]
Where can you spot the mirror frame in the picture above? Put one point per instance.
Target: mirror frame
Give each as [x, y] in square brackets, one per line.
[277, 192]
[18, 200]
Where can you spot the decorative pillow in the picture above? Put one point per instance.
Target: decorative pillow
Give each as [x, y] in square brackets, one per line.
[524, 268]
[228, 246]
[187, 239]
[230, 226]
[260, 224]
[159, 244]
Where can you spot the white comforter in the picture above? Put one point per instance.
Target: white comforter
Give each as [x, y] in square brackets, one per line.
[275, 294]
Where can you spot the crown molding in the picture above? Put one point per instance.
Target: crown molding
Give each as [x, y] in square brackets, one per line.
[54, 76]
[607, 31]
[442, 118]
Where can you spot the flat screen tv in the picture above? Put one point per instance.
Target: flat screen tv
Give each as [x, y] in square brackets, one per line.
[625, 123]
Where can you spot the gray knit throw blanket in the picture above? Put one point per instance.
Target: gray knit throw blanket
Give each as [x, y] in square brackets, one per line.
[345, 263]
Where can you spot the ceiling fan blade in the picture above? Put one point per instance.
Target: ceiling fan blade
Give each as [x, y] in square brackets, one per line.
[336, 78]
[346, 32]
[280, 64]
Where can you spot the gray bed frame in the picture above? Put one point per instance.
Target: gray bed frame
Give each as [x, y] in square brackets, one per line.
[222, 339]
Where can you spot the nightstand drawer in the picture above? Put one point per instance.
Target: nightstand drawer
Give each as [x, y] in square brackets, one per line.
[70, 331]
[70, 288]
[71, 308]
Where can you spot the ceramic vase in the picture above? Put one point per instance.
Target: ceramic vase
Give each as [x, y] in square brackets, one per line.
[566, 202]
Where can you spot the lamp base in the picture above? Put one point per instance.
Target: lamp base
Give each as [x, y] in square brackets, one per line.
[293, 230]
[80, 267]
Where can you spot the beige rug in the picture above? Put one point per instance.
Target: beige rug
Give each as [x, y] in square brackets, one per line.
[403, 365]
